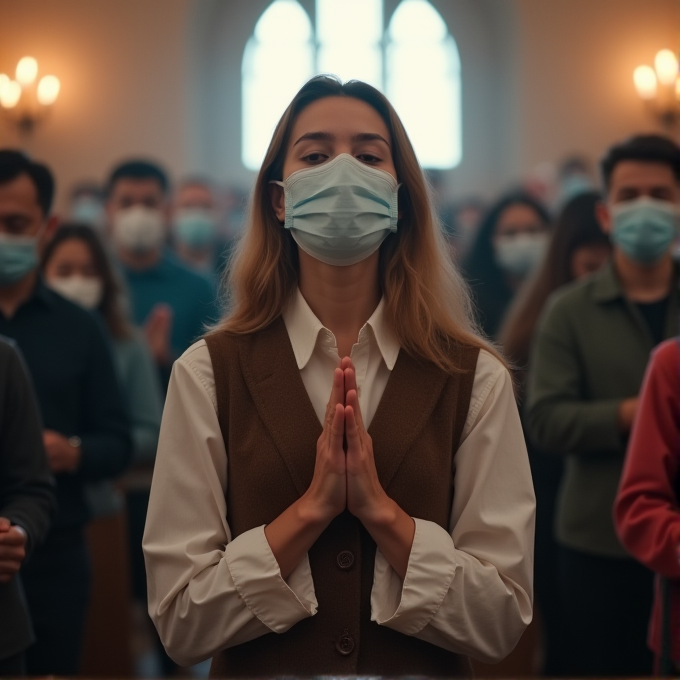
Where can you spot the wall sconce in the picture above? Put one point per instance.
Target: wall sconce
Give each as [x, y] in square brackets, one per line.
[660, 87]
[26, 100]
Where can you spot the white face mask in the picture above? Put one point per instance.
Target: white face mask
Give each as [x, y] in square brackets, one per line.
[519, 255]
[84, 291]
[340, 212]
[139, 229]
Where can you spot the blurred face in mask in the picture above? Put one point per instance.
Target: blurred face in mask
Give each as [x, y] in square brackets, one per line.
[137, 214]
[194, 219]
[642, 213]
[519, 241]
[71, 272]
[24, 230]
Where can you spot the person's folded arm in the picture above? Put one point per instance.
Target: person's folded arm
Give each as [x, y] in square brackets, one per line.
[208, 592]
[470, 590]
[26, 484]
[559, 419]
[646, 510]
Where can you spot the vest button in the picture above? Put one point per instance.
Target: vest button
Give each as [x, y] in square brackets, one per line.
[345, 559]
[345, 644]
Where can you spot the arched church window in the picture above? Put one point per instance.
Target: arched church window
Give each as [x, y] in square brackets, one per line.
[415, 62]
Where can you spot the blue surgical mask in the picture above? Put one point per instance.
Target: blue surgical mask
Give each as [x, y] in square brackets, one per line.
[18, 257]
[89, 210]
[644, 229]
[340, 212]
[195, 227]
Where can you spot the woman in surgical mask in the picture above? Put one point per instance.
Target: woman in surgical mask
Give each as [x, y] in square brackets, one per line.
[509, 245]
[76, 265]
[341, 461]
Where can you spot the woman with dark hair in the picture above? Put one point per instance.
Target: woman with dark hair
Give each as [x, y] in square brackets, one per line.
[509, 244]
[577, 247]
[341, 486]
[75, 264]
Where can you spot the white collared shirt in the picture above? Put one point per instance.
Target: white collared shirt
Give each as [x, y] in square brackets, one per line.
[468, 589]
[316, 354]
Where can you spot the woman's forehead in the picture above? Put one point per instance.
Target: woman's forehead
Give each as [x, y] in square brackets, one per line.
[341, 117]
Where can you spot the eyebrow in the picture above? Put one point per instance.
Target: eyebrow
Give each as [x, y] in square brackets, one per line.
[330, 137]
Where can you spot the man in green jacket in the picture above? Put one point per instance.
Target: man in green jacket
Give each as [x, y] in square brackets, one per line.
[587, 365]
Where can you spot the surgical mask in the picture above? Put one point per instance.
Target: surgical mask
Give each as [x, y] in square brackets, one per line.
[86, 291]
[138, 228]
[18, 257]
[340, 212]
[88, 211]
[194, 227]
[520, 254]
[644, 229]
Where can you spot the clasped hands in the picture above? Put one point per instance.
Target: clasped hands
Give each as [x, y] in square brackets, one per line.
[12, 549]
[345, 475]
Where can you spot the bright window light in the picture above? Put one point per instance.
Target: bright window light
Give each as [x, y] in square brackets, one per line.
[415, 62]
[423, 82]
[349, 33]
[278, 60]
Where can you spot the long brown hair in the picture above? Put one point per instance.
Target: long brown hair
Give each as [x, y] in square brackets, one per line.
[112, 306]
[427, 302]
[576, 226]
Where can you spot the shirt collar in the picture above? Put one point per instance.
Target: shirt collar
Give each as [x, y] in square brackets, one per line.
[303, 330]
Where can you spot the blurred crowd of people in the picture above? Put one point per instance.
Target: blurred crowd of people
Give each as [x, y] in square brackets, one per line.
[573, 275]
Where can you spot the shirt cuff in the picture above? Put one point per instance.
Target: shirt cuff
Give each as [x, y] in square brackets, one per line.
[410, 606]
[257, 578]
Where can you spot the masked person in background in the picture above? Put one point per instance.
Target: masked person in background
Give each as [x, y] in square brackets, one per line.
[378, 512]
[171, 302]
[86, 435]
[509, 245]
[87, 205]
[76, 265]
[194, 226]
[587, 365]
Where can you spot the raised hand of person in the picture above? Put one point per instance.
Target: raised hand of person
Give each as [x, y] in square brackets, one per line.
[366, 499]
[327, 494]
[157, 331]
[390, 527]
[296, 529]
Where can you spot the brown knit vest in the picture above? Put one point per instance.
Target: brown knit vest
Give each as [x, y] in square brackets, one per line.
[270, 431]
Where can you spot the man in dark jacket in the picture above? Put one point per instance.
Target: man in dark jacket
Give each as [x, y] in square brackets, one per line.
[86, 430]
[26, 503]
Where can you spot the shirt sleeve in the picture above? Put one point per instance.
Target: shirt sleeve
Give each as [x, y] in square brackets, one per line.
[26, 484]
[470, 590]
[208, 592]
[646, 509]
[560, 419]
[105, 437]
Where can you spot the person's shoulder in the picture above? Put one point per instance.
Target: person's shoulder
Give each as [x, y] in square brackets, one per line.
[197, 358]
[70, 312]
[489, 366]
[666, 356]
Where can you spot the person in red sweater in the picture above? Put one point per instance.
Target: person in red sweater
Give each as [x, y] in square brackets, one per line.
[646, 511]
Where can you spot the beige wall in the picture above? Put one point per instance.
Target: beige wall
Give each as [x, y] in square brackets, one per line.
[577, 60]
[541, 78]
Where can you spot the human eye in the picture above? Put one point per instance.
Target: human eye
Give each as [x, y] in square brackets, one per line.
[315, 158]
[368, 158]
